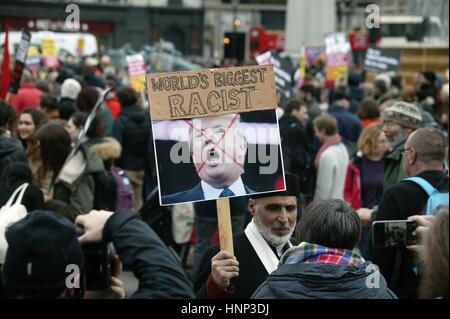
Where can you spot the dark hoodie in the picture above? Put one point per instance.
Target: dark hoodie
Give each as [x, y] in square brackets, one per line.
[132, 131]
[11, 150]
[323, 281]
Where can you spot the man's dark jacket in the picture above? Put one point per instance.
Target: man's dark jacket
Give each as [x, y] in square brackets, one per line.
[132, 131]
[159, 273]
[323, 281]
[348, 123]
[400, 201]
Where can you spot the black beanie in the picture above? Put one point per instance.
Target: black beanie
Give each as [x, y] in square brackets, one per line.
[40, 247]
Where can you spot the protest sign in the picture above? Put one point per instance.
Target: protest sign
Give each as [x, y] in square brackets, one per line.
[21, 57]
[382, 61]
[215, 136]
[80, 46]
[338, 52]
[283, 69]
[49, 52]
[136, 72]
[33, 58]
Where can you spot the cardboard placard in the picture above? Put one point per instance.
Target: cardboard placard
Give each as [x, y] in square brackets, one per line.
[212, 92]
[136, 72]
[219, 153]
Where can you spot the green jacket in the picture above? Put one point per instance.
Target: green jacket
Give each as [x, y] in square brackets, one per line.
[74, 192]
[393, 169]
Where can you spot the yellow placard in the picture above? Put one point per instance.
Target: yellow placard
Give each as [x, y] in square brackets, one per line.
[137, 82]
[48, 47]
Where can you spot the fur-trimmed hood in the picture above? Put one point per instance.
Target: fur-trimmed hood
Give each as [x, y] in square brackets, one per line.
[107, 148]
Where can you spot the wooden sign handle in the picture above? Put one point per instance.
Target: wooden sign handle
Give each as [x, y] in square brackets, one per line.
[224, 221]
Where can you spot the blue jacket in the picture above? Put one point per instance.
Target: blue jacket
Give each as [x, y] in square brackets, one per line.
[323, 281]
[348, 123]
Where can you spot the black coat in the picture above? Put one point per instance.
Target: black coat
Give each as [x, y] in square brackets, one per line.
[132, 131]
[251, 270]
[11, 150]
[400, 201]
[322, 281]
[159, 273]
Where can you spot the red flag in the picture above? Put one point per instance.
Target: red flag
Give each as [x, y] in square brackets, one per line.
[4, 81]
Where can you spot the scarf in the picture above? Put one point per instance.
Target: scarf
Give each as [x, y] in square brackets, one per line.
[262, 248]
[329, 140]
[311, 253]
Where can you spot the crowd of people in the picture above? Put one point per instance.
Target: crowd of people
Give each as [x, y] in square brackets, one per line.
[347, 149]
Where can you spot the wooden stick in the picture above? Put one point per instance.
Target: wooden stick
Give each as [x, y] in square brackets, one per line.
[224, 221]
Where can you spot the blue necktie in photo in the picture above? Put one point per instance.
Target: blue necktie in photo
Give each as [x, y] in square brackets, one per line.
[226, 192]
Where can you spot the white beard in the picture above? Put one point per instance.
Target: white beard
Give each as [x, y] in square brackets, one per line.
[272, 239]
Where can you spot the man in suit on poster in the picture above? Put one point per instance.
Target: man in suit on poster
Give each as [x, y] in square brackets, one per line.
[218, 147]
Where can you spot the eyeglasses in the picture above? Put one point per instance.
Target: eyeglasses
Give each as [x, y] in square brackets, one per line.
[402, 151]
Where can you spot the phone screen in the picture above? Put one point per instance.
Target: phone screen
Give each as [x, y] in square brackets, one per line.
[394, 233]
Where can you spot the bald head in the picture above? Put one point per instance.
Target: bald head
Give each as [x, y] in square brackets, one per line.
[430, 144]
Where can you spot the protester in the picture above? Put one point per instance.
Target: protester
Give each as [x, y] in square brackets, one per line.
[11, 150]
[107, 148]
[30, 120]
[69, 187]
[331, 160]
[132, 131]
[69, 93]
[86, 101]
[433, 253]
[368, 112]
[365, 172]
[349, 124]
[399, 121]
[49, 106]
[28, 95]
[296, 113]
[257, 250]
[323, 265]
[423, 156]
[308, 96]
[205, 224]
[14, 175]
[32, 241]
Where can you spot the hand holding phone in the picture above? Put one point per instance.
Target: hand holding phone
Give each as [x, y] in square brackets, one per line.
[394, 233]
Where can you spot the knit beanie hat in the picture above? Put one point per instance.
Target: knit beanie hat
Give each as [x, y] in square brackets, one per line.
[405, 114]
[70, 88]
[40, 247]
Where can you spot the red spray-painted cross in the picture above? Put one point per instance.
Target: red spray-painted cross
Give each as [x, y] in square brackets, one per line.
[216, 143]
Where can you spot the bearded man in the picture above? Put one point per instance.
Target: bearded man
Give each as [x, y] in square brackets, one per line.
[257, 250]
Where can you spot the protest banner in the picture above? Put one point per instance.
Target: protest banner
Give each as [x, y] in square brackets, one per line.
[338, 51]
[21, 57]
[216, 136]
[80, 46]
[382, 61]
[136, 72]
[49, 52]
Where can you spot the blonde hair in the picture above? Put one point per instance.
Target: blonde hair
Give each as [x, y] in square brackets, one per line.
[369, 138]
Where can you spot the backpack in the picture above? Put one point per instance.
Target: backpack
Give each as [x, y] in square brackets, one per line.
[105, 194]
[435, 197]
[10, 213]
[125, 193]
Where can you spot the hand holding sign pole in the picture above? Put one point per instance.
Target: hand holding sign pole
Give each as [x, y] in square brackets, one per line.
[218, 116]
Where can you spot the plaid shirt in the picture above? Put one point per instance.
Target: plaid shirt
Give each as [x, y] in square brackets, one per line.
[311, 253]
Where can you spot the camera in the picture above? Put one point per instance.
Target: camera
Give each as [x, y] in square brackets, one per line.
[98, 263]
[394, 233]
